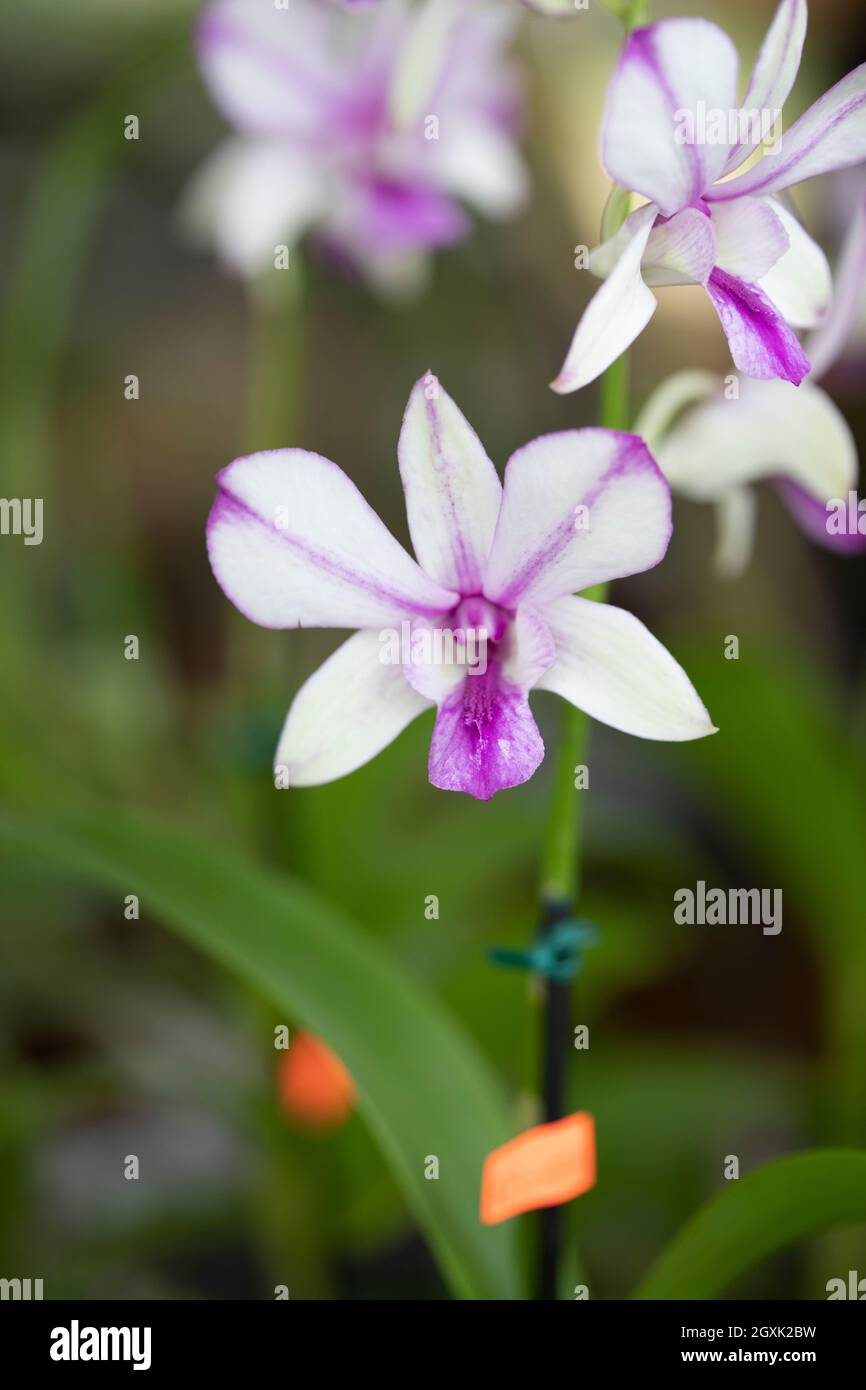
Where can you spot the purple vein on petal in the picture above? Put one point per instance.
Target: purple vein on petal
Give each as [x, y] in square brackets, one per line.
[631, 454]
[642, 44]
[465, 560]
[762, 343]
[230, 508]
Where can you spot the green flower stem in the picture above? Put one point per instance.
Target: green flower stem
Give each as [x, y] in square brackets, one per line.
[560, 869]
[275, 358]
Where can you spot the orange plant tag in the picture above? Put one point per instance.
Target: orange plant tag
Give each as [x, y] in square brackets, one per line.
[544, 1167]
[315, 1088]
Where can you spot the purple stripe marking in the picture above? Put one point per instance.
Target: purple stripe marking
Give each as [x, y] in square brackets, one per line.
[750, 183]
[216, 31]
[227, 507]
[485, 738]
[632, 457]
[465, 562]
[642, 43]
[762, 343]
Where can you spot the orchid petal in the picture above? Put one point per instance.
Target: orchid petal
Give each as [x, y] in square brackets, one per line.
[420, 59]
[485, 738]
[380, 219]
[770, 429]
[775, 70]
[750, 238]
[579, 508]
[433, 674]
[667, 71]
[615, 316]
[479, 163]
[248, 198]
[293, 543]
[604, 259]
[829, 342]
[831, 135]
[762, 345]
[668, 400]
[351, 708]
[611, 666]
[800, 284]
[812, 516]
[526, 649]
[736, 515]
[531, 648]
[680, 251]
[270, 70]
[453, 492]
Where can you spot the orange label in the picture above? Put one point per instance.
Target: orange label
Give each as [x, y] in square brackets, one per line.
[544, 1167]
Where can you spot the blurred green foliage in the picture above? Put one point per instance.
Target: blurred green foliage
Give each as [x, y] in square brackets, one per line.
[155, 1037]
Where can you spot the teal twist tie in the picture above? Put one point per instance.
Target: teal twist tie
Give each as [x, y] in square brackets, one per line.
[557, 953]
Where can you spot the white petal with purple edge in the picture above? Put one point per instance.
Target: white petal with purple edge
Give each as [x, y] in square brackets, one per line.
[831, 135]
[615, 316]
[762, 345]
[775, 70]
[681, 251]
[346, 713]
[452, 489]
[772, 430]
[611, 666]
[579, 508]
[293, 543]
[750, 238]
[800, 284]
[667, 74]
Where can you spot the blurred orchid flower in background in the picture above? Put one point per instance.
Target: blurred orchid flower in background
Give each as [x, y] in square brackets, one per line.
[674, 132]
[292, 543]
[553, 7]
[315, 1089]
[713, 450]
[367, 130]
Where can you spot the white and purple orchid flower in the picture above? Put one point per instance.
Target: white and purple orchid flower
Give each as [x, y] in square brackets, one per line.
[292, 543]
[369, 131]
[712, 443]
[675, 133]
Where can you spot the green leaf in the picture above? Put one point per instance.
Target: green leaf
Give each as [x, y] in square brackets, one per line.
[769, 1210]
[804, 819]
[422, 1087]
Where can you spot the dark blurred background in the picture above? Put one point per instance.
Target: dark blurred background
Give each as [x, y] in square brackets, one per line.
[118, 1039]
